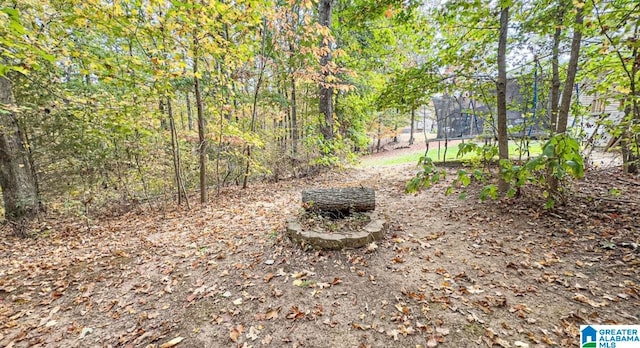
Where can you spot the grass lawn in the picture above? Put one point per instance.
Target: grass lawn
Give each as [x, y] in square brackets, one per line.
[438, 156]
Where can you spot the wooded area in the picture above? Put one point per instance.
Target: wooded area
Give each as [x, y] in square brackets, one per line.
[100, 100]
[153, 154]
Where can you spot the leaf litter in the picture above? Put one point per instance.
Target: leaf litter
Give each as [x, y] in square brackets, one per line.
[449, 273]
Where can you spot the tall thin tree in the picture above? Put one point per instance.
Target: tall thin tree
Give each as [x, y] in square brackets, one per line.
[254, 109]
[555, 63]
[501, 89]
[572, 68]
[202, 148]
[326, 91]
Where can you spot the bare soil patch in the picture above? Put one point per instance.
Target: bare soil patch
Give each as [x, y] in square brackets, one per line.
[449, 273]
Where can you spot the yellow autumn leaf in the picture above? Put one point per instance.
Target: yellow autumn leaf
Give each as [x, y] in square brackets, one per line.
[623, 89]
[117, 9]
[308, 4]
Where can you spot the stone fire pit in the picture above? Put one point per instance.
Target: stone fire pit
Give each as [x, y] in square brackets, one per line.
[337, 218]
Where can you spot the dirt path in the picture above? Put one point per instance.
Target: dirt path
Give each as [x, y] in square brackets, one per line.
[449, 273]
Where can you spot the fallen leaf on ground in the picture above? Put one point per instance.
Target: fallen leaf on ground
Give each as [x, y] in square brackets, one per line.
[584, 299]
[393, 333]
[295, 313]
[442, 330]
[502, 342]
[235, 332]
[323, 285]
[172, 343]
[272, 314]
[474, 290]
[253, 333]
[266, 340]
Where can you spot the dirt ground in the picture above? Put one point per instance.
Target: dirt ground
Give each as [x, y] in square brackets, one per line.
[449, 273]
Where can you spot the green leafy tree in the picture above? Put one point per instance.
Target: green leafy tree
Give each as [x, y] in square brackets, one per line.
[614, 62]
[18, 56]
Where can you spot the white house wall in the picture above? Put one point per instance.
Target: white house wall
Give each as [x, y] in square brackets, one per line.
[610, 110]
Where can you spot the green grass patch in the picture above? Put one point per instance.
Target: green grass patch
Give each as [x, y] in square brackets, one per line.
[535, 148]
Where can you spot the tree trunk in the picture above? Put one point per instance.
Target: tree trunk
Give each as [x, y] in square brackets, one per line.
[286, 121]
[631, 146]
[189, 113]
[339, 200]
[219, 152]
[164, 122]
[572, 68]
[565, 103]
[626, 138]
[202, 148]
[294, 117]
[254, 110]
[413, 122]
[379, 135]
[395, 131]
[501, 89]
[326, 91]
[21, 199]
[175, 150]
[555, 74]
